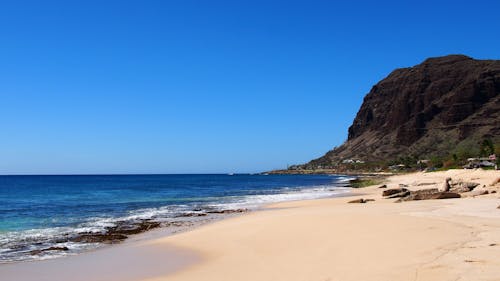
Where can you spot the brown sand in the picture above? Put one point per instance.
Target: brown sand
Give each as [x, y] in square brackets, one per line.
[328, 239]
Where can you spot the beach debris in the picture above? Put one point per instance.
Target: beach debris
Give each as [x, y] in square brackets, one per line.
[383, 186]
[361, 200]
[392, 191]
[41, 251]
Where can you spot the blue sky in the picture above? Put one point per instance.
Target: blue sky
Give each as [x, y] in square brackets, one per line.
[207, 86]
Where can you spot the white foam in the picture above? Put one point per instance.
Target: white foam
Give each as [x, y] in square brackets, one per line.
[43, 238]
[255, 201]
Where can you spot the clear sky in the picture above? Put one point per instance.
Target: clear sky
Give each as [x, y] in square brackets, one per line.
[207, 86]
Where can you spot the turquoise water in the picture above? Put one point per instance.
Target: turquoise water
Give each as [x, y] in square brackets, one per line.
[36, 211]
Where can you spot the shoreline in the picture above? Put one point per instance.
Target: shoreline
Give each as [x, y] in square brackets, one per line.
[329, 239]
[187, 223]
[100, 229]
[326, 239]
[90, 259]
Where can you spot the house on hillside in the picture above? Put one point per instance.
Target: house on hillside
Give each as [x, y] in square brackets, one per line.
[480, 162]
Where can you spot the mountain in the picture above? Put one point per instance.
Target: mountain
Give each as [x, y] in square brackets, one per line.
[443, 105]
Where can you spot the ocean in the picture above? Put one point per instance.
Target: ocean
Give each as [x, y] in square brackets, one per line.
[44, 217]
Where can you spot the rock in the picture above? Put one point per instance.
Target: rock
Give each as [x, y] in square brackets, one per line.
[178, 224]
[470, 185]
[192, 215]
[426, 183]
[428, 194]
[479, 192]
[498, 207]
[116, 233]
[135, 228]
[461, 187]
[493, 191]
[38, 252]
[98, 238]
[227, 211]
[361, 200]
[446, 185]
[414, 106]
[445, 195]
[392, 191]
[495, 182]
[400, 194]
[421, 194]
[383, 186]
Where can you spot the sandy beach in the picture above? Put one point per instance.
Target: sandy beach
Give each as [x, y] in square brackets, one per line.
[326, 239]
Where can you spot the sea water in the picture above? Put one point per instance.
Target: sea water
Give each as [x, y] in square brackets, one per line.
[37, 212]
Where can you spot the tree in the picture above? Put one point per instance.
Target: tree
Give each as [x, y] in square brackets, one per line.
[487, 148]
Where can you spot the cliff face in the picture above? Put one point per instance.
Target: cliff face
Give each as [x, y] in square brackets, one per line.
[425, 110]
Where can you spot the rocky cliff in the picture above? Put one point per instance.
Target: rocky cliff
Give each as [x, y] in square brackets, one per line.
[425, 110]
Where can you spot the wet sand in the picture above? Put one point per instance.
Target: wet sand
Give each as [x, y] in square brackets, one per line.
[136, 259]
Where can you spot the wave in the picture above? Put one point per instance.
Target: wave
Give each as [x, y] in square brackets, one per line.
[27, 245]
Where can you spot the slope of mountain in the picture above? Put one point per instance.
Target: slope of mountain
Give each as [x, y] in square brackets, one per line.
[430, 109]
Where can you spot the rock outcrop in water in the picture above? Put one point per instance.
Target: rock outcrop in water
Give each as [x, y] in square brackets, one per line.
[424, 110]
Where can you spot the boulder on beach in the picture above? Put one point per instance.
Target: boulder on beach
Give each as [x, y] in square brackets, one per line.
[446, 185]
[479, 192]
[361, 200]
[461, 187]
[399, 195]
[392, 191]
[445, 195]
[428, 194]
